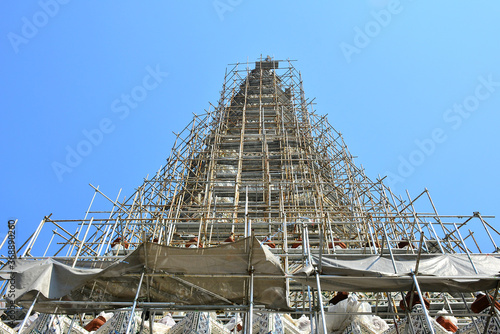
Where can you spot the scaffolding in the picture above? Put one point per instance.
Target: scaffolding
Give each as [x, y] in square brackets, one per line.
[264, 170]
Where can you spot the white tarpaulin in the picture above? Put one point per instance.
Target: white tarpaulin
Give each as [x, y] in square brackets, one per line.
[436, 272]
[51, 278]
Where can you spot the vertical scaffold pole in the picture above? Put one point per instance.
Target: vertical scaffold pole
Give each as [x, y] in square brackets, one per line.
[134, 305]
[426, 313]
[486, 229]
[250, 309]
[33, 238]
[320, 303]
[28, 313]
[82, 242]
[465, 248]
[307, 249]
[79, 230]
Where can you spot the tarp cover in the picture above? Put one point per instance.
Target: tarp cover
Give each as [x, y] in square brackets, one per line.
[51, 278]
[436, 272]
[171, 278]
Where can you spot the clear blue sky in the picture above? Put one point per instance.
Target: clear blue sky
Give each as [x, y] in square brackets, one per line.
[388, 73]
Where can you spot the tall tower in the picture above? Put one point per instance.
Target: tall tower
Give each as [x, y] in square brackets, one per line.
[263, 170]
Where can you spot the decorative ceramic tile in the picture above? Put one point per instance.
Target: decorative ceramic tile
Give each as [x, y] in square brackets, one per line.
[203, 324]
[278, 325]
